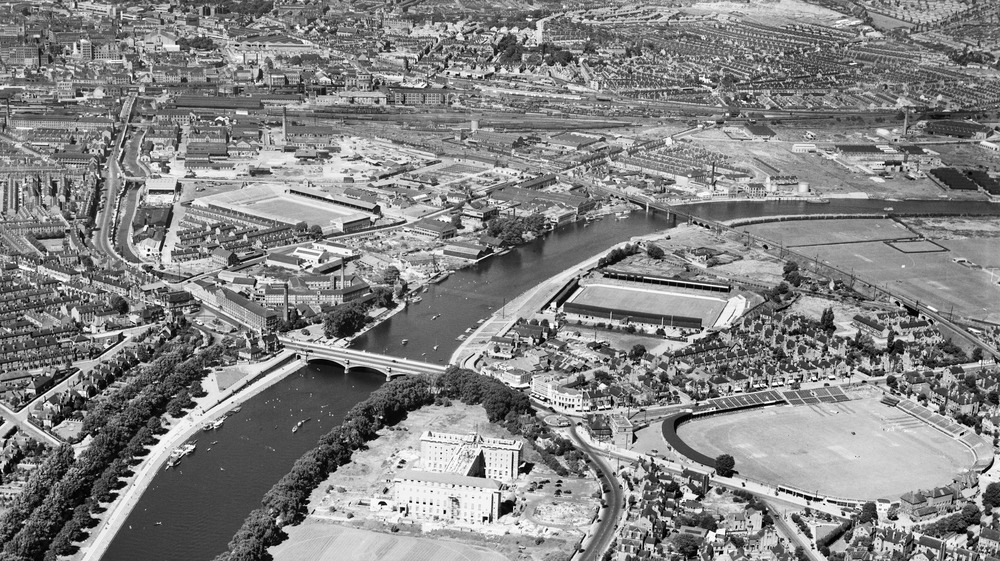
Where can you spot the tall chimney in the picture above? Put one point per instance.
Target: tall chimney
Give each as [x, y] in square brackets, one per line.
[284, 289]
[906, 120]
[343, 266]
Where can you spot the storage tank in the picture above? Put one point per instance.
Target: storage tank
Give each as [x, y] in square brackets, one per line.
[803, 188]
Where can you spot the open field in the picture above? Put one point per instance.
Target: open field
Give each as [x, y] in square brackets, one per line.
[821, 232]
[855, 449]
[318, 541]
[930, 278]
[918, 246]
[631, 300]
[271, 201]
[955, 227]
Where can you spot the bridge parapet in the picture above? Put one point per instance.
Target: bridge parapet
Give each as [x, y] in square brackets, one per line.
[353, 359]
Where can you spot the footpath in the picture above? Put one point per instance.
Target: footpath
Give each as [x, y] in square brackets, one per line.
[209, 408]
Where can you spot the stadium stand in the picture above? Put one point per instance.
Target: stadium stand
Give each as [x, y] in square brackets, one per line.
[818, 395]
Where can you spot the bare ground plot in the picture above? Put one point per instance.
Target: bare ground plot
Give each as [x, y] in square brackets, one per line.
[820, 232]
[624, 341]
[955, 227]
[318, 541]
[857, 449]
[394, 449]
[826, 177]
[766, 270]
[812, 307]
[930, 278]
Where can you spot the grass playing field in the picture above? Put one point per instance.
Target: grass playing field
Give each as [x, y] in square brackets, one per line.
[856, 449]
[653, 300]
[318, 541]
[930, 278]
[817, 232]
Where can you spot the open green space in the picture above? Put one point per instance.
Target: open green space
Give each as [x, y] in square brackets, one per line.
[857, 449]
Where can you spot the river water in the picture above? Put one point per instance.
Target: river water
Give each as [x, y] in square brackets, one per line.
[202, 503]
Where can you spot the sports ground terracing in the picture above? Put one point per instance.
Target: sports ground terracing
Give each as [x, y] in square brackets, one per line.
[642, 302]
[860, 449]
[274, 202]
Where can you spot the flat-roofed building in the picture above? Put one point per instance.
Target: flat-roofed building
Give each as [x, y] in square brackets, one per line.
[470, 454]
[448, 496]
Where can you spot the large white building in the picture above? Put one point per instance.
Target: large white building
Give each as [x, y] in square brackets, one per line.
[470, 454]
[460, 480]
[447, 496]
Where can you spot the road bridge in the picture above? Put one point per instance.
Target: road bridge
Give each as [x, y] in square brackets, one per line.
[353, 359]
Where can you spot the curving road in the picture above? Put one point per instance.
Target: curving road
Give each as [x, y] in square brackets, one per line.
[607, 528]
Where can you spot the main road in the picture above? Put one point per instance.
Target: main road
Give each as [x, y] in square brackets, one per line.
[608, 525]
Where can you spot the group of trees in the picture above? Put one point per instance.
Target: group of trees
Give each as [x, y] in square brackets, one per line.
[55, 509]
[511, 230]
[285, 502]
[618, 255]
[957, 523]
[792, 274]
[201, 43]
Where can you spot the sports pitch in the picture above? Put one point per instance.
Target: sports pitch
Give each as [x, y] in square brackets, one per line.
[929, 278]
[802, 233]
[318, 541]
[635, 300]
[859, 449]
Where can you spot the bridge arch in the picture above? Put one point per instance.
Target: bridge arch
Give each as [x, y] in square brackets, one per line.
[363, 368]
[311, 359]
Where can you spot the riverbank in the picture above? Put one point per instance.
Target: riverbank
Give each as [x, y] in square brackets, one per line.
[209, 408]
[525, 304]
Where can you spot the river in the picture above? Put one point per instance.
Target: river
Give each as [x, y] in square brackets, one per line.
[203, 502]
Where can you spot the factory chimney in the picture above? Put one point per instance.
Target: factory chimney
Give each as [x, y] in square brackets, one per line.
[284, 290]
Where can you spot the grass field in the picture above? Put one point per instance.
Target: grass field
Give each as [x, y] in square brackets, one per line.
[857, 449]
[929, 278]
[631, 300]
[317, 541]
[820, 232]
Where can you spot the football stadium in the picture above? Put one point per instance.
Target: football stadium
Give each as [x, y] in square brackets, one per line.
[653, 306]
[298, 204]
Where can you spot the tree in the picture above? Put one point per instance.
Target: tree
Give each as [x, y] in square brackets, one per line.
[686, 544]
[654, 251]
[991, 496]
[382, 297]
[637, 352]
[891, 381]
[316, 230]
[977, 354]
[345, 320]
[725, 465]
[869, 513]
[390, 275]
[826, 321]
[119, 304]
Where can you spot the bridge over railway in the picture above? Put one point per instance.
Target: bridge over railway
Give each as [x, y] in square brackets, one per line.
[353, 359]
